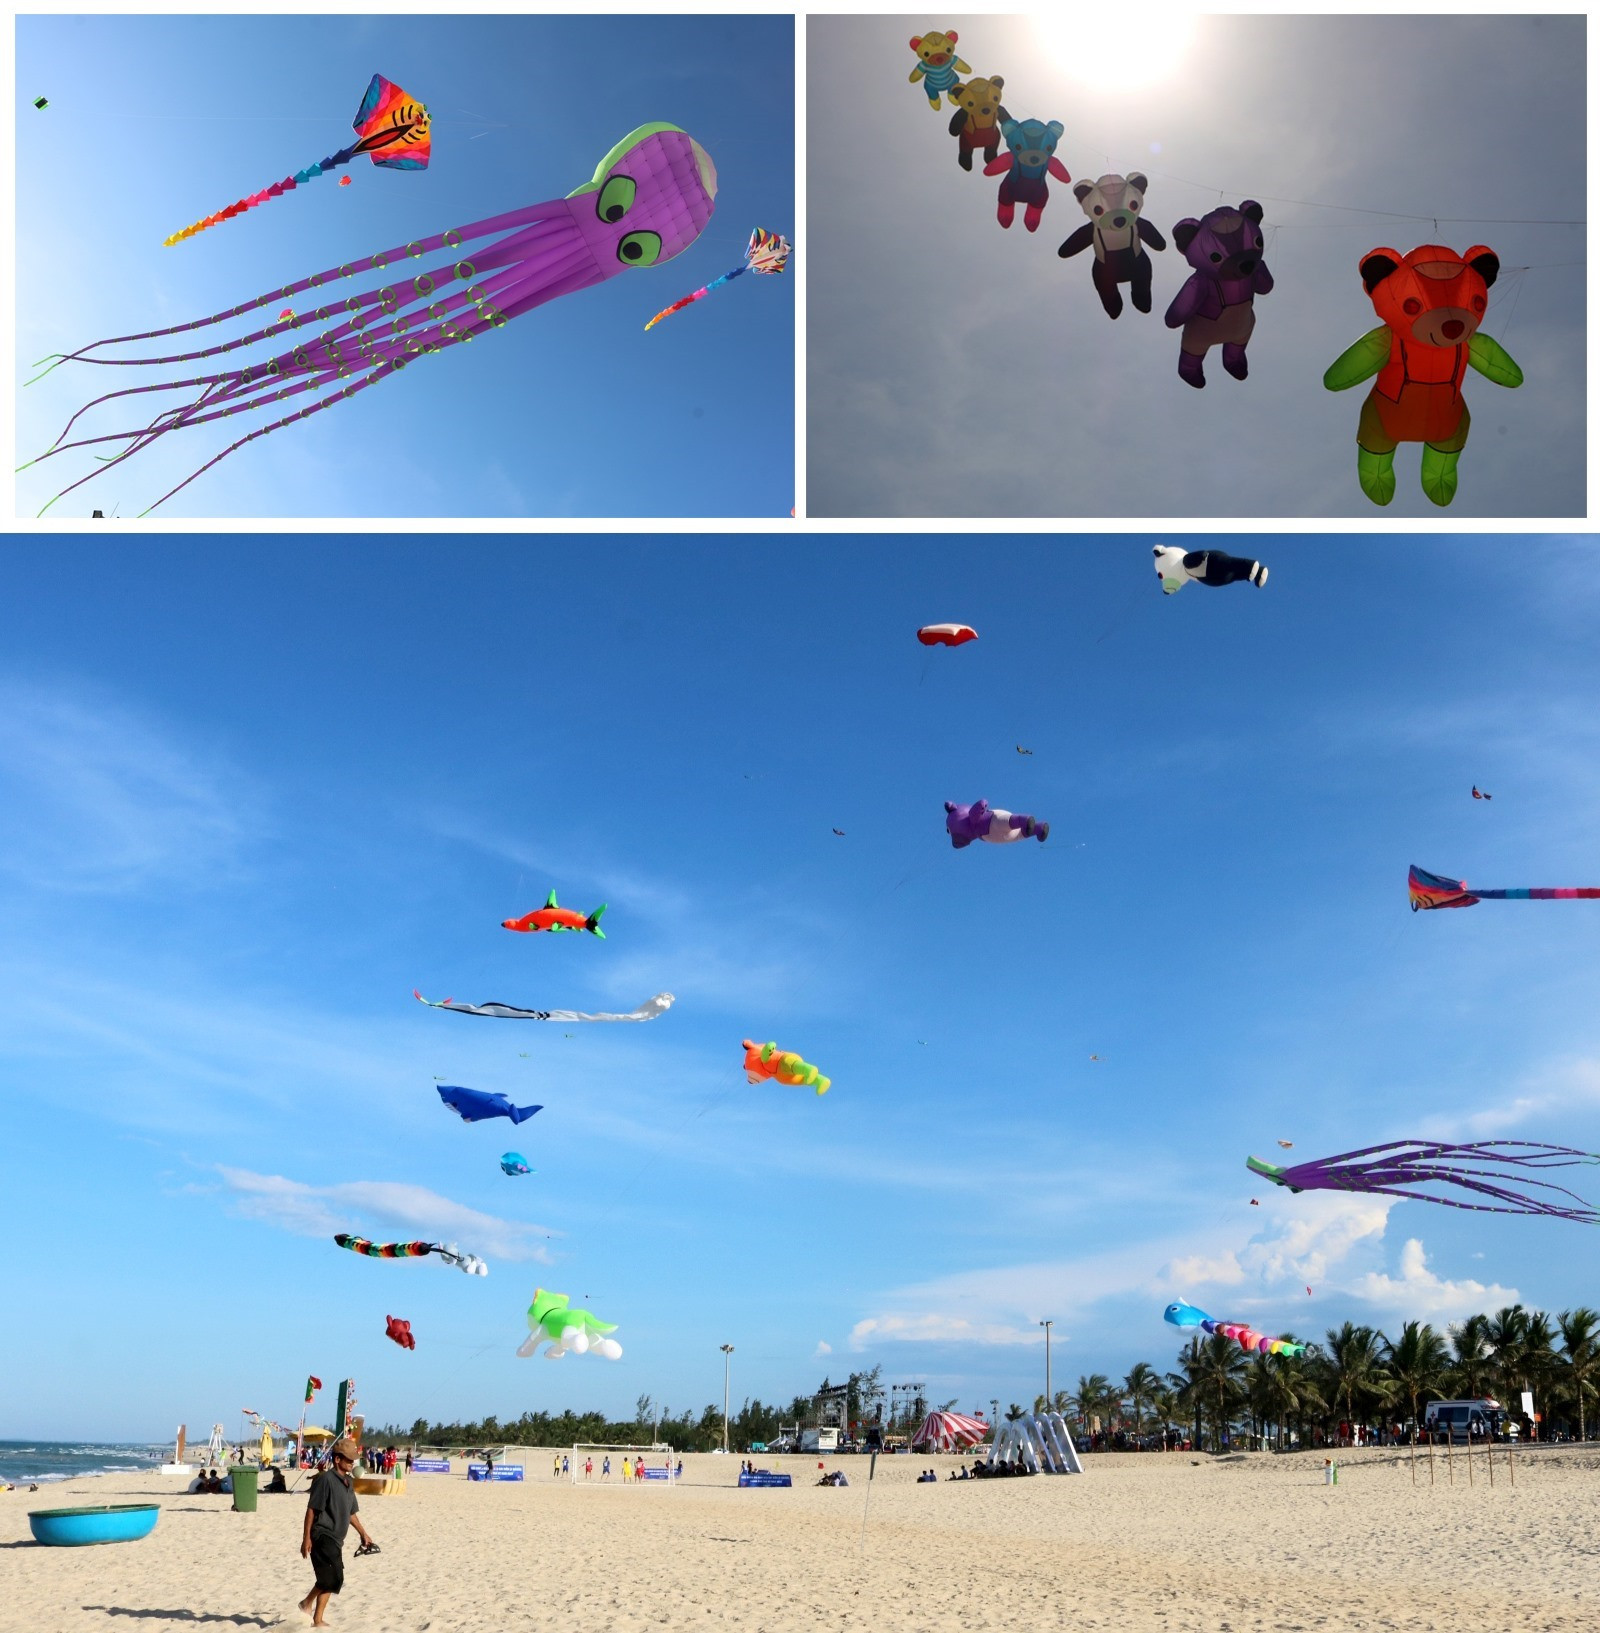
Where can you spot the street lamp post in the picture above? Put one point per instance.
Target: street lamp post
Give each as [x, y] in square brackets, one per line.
[1049, 1399]
[727, 1350]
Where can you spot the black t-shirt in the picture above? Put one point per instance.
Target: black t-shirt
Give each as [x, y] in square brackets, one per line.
[333, 1501]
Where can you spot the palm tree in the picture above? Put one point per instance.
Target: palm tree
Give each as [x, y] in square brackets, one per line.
[1418, 1364]
[1218, 1379]
[1355, 1367]
[1140, 1386]
[1579, 1363]
[1164, 1403]
[1470, 1361]
[1090, 1399]
[1506, 1335]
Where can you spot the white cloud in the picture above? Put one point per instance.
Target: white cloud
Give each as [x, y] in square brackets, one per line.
[323, 1210]
[823, 1348]
[932, 1327]
[95, 797]
[1418, 1292]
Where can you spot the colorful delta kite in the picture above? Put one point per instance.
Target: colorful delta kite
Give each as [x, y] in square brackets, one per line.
[1177, 567]
[552, 1320]
[1430, 890]
[1186, 1315]
[399, 1331]
[1431, 302]
[946, 634]
[648, 201]
[469, 1263]
[1499, 1169]
[475, 1106]
[651, 1009]
[966, 823]
[766, 1061]
[514, 1163]
[767, 252]
[554, 917]
[391, 129]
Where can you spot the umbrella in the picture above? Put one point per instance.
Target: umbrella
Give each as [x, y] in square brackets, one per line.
[949, 1431]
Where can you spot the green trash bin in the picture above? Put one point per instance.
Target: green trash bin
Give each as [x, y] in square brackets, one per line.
[244, 1489]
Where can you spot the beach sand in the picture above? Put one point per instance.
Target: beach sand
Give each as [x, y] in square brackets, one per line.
[1139, 1542]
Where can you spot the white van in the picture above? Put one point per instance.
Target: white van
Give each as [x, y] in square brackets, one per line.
[1479, 1419]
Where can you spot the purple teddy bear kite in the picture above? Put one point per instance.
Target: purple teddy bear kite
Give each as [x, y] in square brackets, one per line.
[969, 822]
[1215, 307]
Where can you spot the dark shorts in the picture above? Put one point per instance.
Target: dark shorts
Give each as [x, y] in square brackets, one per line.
[327, 1560]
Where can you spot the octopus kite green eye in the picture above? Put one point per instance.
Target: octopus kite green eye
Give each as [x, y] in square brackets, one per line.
[616, 198]
[639, 248]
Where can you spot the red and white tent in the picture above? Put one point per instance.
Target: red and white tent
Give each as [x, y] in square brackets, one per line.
[949, 1431]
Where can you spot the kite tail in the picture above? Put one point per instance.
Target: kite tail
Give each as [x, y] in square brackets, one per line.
[276, 190]
[699, 294]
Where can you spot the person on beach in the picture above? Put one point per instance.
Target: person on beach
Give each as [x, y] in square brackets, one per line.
[627, 1471]
[330, 1512]
[588, 1468]
[605, 1468]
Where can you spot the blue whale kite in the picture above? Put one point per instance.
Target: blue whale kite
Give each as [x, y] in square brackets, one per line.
[473, 1105]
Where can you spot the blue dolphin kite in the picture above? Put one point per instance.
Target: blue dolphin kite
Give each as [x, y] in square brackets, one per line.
[473, 1105]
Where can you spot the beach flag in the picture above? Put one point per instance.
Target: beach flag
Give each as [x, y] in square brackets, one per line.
[312, 1386]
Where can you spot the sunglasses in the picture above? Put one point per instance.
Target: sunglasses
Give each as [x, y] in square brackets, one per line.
[340, 1458]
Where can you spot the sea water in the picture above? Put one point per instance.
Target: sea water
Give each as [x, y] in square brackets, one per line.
[27, 1461]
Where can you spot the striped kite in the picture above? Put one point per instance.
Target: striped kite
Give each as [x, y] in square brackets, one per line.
[448, 1251]
[1247, 1338]
[1430, 890]
[766, 252]
[391, 129]
[651, 1009]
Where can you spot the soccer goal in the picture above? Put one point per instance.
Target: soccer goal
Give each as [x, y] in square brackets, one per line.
[660, 1463]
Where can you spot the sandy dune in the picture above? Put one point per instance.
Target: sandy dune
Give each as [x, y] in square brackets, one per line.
[1138, 1543]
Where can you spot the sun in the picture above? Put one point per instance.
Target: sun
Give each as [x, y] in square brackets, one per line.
[1101, 50]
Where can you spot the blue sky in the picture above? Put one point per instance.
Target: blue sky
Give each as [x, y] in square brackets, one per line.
[250, 798]
[955, 369]
[572, 410]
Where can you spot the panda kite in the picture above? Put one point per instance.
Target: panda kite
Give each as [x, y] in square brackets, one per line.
[1119, 232]
[1214, 567]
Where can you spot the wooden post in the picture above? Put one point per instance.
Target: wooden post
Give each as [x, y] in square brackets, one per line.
[1469, 1453]
[1511, 1458]
[1488, 1451]
[1430, 1458]
[1450, 1453]
[1413, 1438]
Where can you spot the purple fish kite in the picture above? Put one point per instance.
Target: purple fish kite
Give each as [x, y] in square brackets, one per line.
[1499, 1169]
[650, 197]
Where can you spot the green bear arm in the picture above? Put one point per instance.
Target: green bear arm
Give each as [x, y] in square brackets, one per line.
[1493, 361]
[1360, 361]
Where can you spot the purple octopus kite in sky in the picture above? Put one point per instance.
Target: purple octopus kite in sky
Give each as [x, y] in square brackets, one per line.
[650, 198]
[1499, 1169]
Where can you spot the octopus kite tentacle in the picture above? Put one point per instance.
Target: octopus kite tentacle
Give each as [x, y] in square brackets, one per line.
[648, 201]
[1499, 1169]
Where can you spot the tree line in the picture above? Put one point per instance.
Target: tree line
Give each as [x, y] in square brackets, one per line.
[1356, 1376]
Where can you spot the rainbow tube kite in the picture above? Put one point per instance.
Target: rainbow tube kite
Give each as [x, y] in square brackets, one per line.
[766, 252]
[1186, 1315]
[1430, 890]
[468, 1262]
[1498, 1169]
[391, 129]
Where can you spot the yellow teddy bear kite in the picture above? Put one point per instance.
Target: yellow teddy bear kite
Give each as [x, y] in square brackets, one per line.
[938, 66]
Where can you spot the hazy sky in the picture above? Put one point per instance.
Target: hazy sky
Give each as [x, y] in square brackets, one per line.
[571, 410]
[958, 369]
[240, 821]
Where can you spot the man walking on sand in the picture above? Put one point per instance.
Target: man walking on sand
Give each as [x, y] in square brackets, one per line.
[329, 1515]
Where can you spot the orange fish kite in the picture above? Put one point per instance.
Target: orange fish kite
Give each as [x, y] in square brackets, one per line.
[763, 1061]
[554, 917]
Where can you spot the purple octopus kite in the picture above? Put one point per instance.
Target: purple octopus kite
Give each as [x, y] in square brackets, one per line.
[650, 198]
[965, 823]
[1499, 1169]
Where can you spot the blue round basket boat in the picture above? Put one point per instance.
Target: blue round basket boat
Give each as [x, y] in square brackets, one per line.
[78, 1527]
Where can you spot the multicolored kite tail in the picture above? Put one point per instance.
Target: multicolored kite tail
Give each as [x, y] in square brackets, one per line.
[766, 252]
[391, 129]
[1494, 1168]
[1430, 890]
[648, 201]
